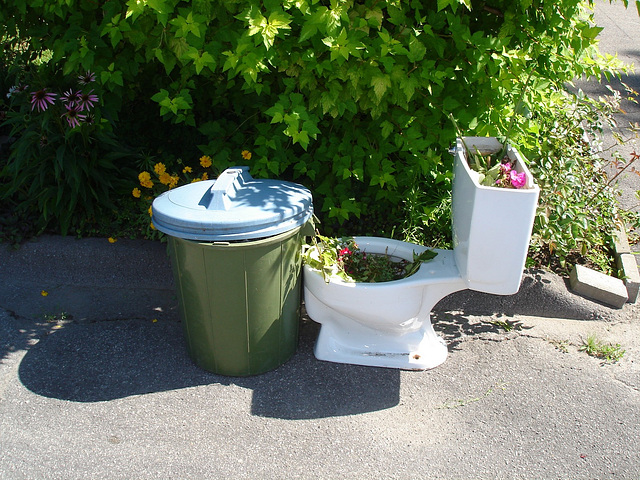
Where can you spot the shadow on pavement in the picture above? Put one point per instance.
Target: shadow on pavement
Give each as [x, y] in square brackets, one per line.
[455, 327]
[102, 361]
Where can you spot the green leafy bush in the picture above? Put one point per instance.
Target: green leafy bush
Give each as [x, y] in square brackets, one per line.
[349, 97]
[579, 207]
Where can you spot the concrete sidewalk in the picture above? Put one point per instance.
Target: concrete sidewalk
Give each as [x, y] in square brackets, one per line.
[95, 382]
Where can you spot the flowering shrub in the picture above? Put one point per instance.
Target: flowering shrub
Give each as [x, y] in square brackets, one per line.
[76, 104]
[161, 180]
[65, 163]
[343, 258]
[579, 199]
[349, 98]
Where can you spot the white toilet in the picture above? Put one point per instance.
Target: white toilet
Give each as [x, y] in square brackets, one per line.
[388, 324]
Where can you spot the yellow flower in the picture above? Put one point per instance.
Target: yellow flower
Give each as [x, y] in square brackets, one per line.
[205, 161]
[112, 240]
[195, 180]
[174, 181]
[246, 154]
[150, 210]
[152, 226]
[205, 176]
[44, 293]
[164, 178]
[159, 168]
[136, 192]
[187, 170]
[145, 179]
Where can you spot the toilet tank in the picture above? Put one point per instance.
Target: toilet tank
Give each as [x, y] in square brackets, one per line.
[491, 225]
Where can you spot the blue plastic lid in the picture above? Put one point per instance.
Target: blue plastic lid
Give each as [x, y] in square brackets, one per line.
[234, 207]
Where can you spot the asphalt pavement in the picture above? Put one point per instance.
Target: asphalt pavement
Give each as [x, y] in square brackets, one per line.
[95, 382]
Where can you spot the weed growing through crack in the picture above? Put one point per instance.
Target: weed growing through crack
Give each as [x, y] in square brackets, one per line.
[462, 402]
[508, 326]
[56, 317]
[562, 345]
[605, 351]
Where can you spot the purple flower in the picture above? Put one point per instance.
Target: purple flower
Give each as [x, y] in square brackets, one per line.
[87, 100]
[86, 78]
[42, 99]
[74, 117]
[518, 180]
[71, 98]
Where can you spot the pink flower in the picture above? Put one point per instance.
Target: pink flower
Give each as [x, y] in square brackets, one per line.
[87, 100]
[505, 167]
[87, 78]
[16, 89]
[71, 98]
[42, 99]
[73, 115]
[518, 180]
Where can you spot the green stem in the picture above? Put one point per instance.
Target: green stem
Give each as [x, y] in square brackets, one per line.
[503, 150]
[461, 136]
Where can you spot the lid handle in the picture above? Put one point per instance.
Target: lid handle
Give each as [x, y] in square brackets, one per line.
[225, 187]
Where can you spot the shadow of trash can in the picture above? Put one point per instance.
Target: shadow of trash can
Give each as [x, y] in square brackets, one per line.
[236, 251]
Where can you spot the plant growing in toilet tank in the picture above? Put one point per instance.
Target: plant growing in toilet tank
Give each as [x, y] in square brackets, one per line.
[499, 171]
[343, 258]
[493, 168]
[497, 168]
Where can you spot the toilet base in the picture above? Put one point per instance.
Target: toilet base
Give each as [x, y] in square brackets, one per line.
[418, 350]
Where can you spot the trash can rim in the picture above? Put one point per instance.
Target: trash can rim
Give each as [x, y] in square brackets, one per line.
[234, 207]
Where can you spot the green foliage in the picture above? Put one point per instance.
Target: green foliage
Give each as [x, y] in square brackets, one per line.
[67, 168]
[349, 97]
[342, 258]
[578, 208]
[596, 348]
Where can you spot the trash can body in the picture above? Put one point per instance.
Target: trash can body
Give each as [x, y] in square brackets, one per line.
[240, 303]
[236, 252]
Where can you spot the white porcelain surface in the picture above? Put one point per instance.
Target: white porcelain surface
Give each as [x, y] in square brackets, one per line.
[491, 226]
[382, 324]
[388, 324]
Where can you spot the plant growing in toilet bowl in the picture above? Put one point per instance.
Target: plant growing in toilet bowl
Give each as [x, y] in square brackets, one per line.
[387, 323]
[342, 258]
[372, 303]
[366, 321]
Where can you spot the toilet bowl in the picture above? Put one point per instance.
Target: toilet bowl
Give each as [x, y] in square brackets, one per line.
[388, 324]
[382, 324]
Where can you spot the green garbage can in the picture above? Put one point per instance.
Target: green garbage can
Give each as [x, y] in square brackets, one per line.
[235, 248]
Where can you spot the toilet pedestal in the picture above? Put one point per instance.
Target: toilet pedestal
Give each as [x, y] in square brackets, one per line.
[419, 350]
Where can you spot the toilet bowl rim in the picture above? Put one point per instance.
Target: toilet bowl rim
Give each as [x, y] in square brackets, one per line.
[423, 275]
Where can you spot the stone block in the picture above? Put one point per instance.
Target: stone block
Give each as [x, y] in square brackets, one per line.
[621, 241]
[598, 286]
[631, 277]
